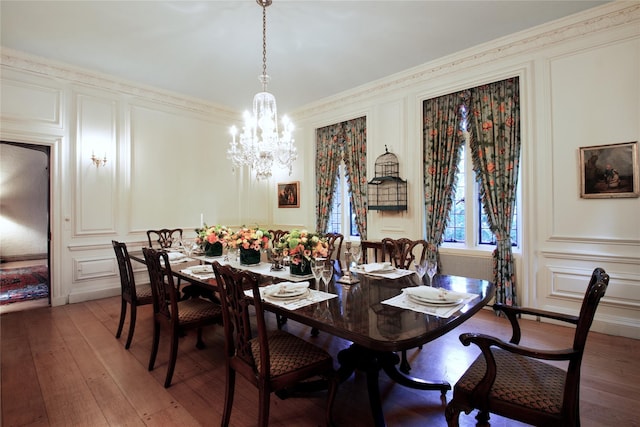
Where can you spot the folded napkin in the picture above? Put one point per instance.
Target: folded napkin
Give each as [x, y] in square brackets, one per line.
[377, 267]
[284, 288]
[174, 256]
[437, 294]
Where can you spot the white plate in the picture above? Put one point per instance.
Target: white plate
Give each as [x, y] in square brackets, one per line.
[201, 269]
[429, 295]
[375, 268]
[284, 292]
[421, 300]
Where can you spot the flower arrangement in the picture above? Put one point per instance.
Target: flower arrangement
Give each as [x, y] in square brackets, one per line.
[214, 234]
[302, 243]
[250, 238]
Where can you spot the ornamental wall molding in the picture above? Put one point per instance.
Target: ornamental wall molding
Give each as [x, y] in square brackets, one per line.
[23, 62]
[530, 40]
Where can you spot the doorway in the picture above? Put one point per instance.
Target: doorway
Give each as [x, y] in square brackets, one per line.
[24, 226]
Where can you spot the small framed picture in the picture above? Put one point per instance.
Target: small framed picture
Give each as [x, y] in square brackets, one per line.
[289, 194]
[609, 171]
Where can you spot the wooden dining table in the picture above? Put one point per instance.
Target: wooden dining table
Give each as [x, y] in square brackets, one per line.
[376, 330]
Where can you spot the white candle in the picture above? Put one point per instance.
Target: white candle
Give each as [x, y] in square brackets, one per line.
[201, 220]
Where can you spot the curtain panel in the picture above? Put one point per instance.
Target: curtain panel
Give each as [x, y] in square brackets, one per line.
[495, 146]
[342, 141]
[442, 139]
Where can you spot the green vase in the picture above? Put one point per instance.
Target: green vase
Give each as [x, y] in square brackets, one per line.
[302, 268]
[213, 249]
[249, 256]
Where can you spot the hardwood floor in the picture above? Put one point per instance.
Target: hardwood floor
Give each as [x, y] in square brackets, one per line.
[63, 366]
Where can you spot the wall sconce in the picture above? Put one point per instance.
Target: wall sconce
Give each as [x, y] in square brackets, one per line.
[97, 161]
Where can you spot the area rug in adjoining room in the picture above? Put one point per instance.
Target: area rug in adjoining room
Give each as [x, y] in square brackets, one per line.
[23, 284]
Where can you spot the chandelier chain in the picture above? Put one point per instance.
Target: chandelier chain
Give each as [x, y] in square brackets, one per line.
[264, 48]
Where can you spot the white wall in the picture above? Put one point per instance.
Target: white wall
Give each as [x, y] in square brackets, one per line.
[579, 80]
[580, 86]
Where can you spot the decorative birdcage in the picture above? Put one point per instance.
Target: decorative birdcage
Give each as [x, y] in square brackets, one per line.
[387, 191]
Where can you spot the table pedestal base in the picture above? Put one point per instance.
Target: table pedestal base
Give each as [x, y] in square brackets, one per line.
[371, 362]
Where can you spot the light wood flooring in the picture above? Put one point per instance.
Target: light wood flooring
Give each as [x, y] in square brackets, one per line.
[63, 366]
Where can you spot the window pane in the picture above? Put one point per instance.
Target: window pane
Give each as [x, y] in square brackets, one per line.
[488, 238]
[353, 227]
[335, 217]
[455, 230]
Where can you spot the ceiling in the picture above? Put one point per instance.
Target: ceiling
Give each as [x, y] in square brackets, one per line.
[212, 50]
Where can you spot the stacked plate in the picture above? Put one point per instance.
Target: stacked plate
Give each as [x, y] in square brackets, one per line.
[433, 296]
[286, 290]
[201, 269]
[375, 267]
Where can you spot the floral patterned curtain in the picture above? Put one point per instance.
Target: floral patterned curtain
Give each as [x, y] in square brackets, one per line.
[442, 138]
[355, 160]
[327, 162]
[343, 141]
[495, 144]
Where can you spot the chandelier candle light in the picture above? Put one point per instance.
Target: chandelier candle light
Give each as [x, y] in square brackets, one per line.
[259, 145]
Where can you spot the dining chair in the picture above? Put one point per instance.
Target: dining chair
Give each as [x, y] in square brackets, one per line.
[400, 252]
[276, 235]
[404, 253]
[131, 294]
[178, 315]
[273, 360]
[164, 238]
[335, 245]
[514, 381]
[371, 251]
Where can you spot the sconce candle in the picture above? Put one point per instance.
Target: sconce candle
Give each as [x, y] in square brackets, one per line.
[98, 162]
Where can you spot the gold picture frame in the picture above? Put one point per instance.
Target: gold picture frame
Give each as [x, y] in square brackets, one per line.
[609, 171]
[289, 194]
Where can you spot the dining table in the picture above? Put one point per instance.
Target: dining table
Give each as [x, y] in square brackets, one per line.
[375, 312]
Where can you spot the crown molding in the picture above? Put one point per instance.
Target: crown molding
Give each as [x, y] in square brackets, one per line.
[602, 18]
[23, 62]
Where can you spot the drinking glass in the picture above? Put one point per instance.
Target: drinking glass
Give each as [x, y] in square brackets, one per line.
[187, 246]
[421, 270]
[327, 274]
[432, 269]
[317, 264]
[356, 253]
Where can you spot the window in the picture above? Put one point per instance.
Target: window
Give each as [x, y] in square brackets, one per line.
[468, 224]
[342, 219]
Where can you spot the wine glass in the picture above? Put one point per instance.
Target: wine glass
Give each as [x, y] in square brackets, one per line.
[356, 253]
[421, 270]
[317, 264]
[432, 269]
[187, 246]
[327, 274]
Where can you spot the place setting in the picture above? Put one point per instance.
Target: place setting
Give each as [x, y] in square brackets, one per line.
[291, 295]
[381, 269]
[204, 271]
[426, 299]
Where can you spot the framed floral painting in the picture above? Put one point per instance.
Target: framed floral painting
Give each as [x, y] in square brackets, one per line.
[289, 194]
[609, 171]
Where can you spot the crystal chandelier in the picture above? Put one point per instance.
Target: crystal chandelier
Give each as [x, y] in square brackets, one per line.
[259, 145]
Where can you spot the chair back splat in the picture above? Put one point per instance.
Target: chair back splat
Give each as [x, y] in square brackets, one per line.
[335, 245]
[164, 238]
[515, 382]
[272, 360]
